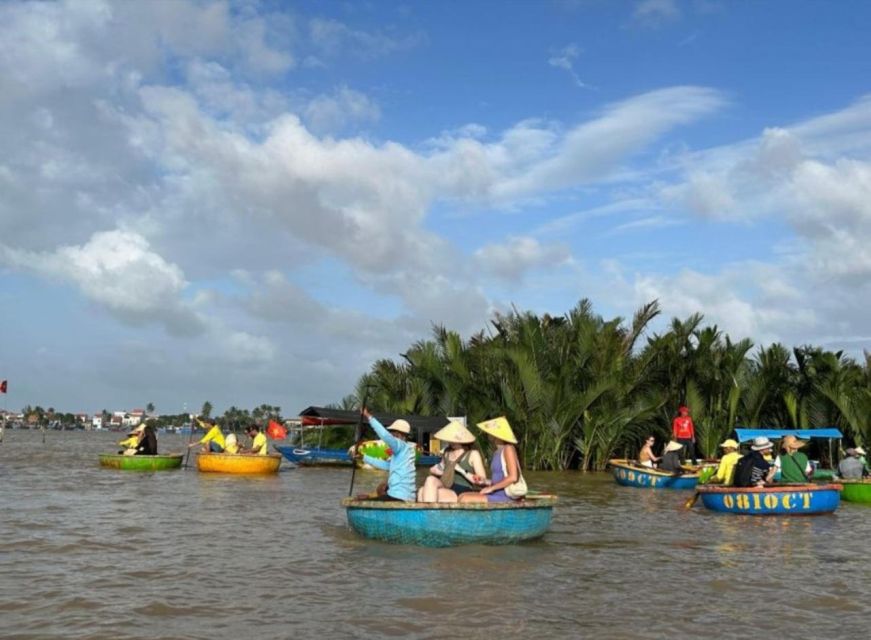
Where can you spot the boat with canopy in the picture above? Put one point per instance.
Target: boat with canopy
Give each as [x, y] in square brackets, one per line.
[432, 524]
[829, 434]
[320, 418]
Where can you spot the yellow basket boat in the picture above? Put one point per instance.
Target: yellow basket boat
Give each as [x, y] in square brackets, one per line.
[241, 463]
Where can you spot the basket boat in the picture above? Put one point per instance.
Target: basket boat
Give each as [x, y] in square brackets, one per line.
[630, 474]
[856, 490]
[141, 463]
[242, 463]
[789, 499]
[449, 524]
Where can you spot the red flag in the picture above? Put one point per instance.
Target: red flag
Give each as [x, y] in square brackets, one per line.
[2, 386]
[276, 431]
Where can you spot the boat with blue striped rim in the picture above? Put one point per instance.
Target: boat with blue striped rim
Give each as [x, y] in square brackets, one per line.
[633, 474]
[431, 524]
[784, 499]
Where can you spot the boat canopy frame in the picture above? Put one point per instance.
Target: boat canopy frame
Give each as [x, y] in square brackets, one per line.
[423, 426]
[747, 434]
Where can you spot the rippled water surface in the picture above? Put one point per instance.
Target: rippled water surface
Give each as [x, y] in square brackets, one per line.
[87, 552]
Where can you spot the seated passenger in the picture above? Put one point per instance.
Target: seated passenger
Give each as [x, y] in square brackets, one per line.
[231, 443]
[129, 444]
[148, 443]
[671, 457]
[852, 467]
[460, 463]
[504, 467]
[646, 456]
[793, 464]
[400, 467]
[762, 472]
[259, 444]
[726, 469]
[213, 441]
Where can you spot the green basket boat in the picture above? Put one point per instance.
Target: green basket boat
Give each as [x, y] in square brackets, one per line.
[141, 463]
[856, 490]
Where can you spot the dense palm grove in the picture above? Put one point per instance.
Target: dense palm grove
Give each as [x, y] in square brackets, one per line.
[580, 389]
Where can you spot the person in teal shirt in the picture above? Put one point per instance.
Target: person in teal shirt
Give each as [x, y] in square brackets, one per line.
[400, 468]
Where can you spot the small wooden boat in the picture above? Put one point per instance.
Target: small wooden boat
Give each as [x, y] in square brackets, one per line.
[141, 463]
[787, 499]
[247, 463]
[431, 524]
[856, 490]
[632, 474]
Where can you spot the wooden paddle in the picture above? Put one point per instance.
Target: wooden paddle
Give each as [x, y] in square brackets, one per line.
[358, 439]
[187, 455]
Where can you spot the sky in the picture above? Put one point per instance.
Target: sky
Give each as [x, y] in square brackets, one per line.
[250, 202]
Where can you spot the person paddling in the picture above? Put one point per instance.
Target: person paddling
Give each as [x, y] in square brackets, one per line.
[400, 467]
[726, 469]
[213, 441]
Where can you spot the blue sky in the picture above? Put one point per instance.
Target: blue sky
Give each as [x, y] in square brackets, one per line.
[249, 202]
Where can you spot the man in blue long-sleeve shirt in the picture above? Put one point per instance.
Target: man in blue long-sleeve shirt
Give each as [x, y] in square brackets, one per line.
[400, 467]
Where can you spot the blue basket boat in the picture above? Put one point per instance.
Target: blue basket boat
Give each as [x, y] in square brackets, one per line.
[787, 500]
[450, 524]
[630, 474]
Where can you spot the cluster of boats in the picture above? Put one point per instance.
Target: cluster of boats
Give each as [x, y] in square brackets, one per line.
[779, 499]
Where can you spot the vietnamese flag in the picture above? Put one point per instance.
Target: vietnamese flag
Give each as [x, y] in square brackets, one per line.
[276, 431]
[2, 386]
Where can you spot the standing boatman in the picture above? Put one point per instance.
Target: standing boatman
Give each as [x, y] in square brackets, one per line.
[684, 431]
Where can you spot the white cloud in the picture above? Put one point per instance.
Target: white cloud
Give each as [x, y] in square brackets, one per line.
[565, 59]
[653, 13]
[118, 270]
[333, 113]
[333, 39]
[512, 259]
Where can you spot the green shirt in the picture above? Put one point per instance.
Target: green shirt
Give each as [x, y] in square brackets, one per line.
[793, 467]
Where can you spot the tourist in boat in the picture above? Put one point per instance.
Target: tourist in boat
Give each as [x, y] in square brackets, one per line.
[671, 458]
[259, 444]
[148, 442]
[684, 431]
[793, 465]
[128, 445]
[213, 441]
[646, 456]
[231, 443]
[400, 467]
[504, 467]
[762, 472]
[725, 474]
[852, 467]
[461, 462]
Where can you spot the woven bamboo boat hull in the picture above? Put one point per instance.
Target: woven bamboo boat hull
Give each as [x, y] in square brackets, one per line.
[856, 490]
[241, 463]
[788, 500]
[141, 463]
[447, 525]
[631, 475]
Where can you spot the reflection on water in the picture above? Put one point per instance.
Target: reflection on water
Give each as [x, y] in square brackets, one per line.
[95, 553]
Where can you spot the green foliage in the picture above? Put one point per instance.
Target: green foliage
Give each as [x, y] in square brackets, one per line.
[579, 389]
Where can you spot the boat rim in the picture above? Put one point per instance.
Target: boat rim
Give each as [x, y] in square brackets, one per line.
[542, 501]
[140, 457]
[831, 486]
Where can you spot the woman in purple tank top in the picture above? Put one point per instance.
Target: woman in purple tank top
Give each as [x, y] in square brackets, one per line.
[503, 438]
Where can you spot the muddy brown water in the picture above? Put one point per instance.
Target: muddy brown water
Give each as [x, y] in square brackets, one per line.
[87, 552]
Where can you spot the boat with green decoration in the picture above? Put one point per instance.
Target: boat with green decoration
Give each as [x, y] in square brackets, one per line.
[161, 462]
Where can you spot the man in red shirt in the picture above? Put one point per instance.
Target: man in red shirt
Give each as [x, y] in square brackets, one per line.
[683, 430]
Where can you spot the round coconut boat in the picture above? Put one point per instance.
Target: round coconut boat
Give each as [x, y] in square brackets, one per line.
[784, 500]
[240, 463]
[431, 524]
[632, 474]
[141, 463]
[856, 490]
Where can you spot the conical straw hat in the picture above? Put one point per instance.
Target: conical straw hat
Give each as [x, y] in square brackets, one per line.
[454, 432]
[498, 428]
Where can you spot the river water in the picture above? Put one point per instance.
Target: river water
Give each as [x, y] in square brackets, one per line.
[87, 552]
